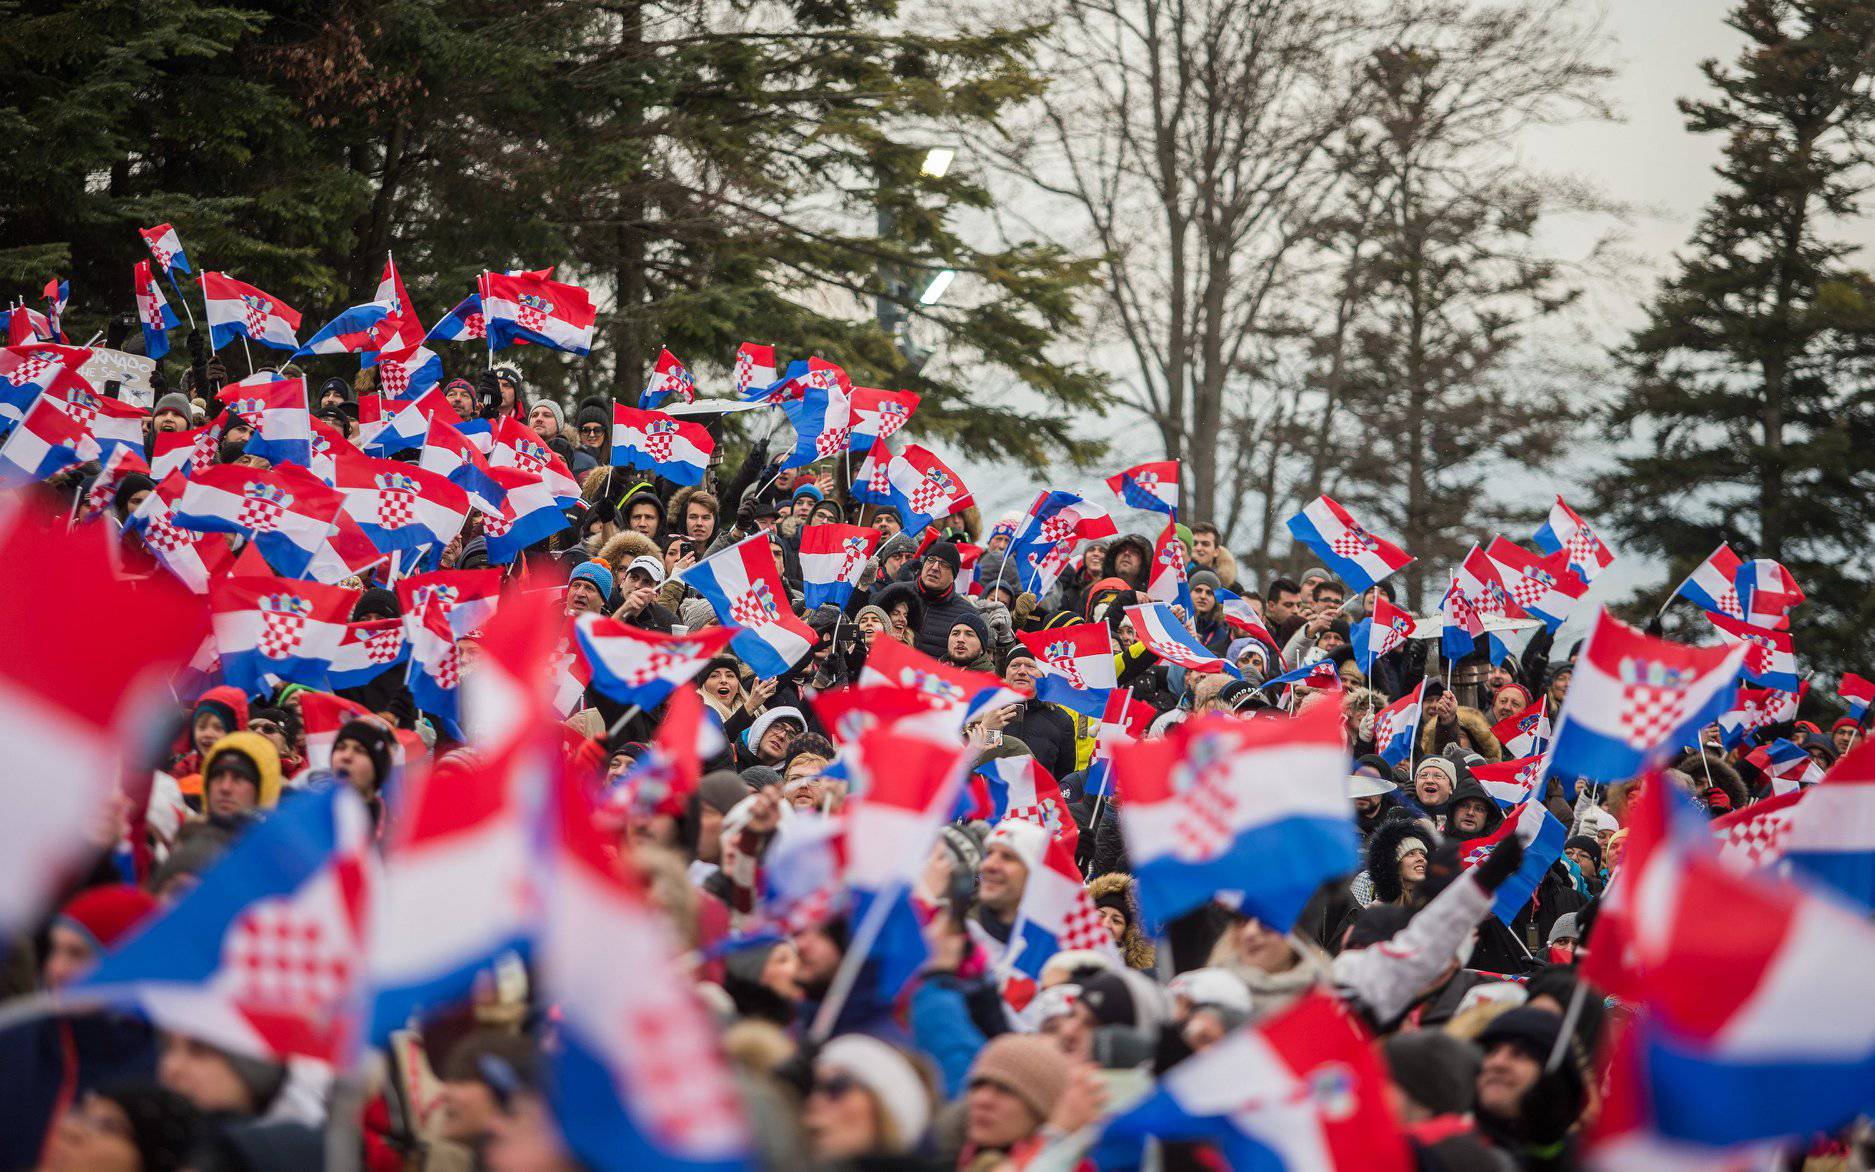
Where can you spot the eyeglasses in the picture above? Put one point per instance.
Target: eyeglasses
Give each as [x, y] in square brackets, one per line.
[591, 429]
[265, 728]
[833, 1086]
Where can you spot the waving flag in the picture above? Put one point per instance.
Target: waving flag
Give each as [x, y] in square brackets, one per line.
[1302, 1090]
[516, 446]
[278, 411]
[1152, 486]
[321, 716]
[401, 329]
[534, 309]
[1758, 708]
[1225, 804]
[1542, 837]
[530, 514]
[346, 553]
[1159, 629]
[1242, 617]
[1524, 734]
[957, 696]
[1120, 722]
[1317, 673]
[1056, 523]
[111, 473]
[915, 483]
[404, 374]
[668, 378]
[46, 441]
[400, 506]
[470, 598]
[278, 629]
[193, 557]
[358, 328]
[368, 650]
[1565, 532]
[449, 454]
[1387, 630]
[464, 323]
[28, 371]
[1056, 913]
[166, 247]
[1712, 584]
[1019, 788]
[1766, 592]
[1830, 838]
[237, 309]
[102, 696]
[832, 559]
[675, 449]
[1397, 725]
[1770, 661]
[1352, 553]
[107, 424]
[1635, 698]
[1541, 586]
[1077, 669]
[744, 587]
[1855, 692]
[265, 956]
[58, 295]
[639, 1079]
[639, 667]
[1510, 783]
[1785, 765]
[878, 414]
[286, 510]
[1462, 622]
[755, 370]
[153, 311]
[822, 416]
[662, 779]
[1167, 581]
[435, 664]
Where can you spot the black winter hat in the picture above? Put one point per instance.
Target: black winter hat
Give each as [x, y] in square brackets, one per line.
[1586, 842]
[947, 553]
[376, 603]
[1435, 1069]
[335, 384]
[164, 1126]
[132, 484]
[376, 741]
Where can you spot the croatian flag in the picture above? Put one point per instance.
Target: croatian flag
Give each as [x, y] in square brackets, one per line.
[1483, 585]
[367, 651]
[1319, 673]
[822, 417]
[1462, 622]
[1056, 523]
[1785, 1047]
[191, 556]
[269, 629]
[1635, 698]
[1758, 708]
[743, 586]
[1542, 837]
[28, 371]
[639, 1079]
[516, 446]
[405, 374]
[755, 370]
[1524, 734]
[237, 309]
[529, 514]
[662, 779]
[287, 511]
[668, 378]
[1387, 630]
[1713, 585]
[1243, 617]
[401, 329]
[1568, 533]
[1120, 722]
[265, 957]
[435, 672]
[1352, 553]
[957, 696]
[1152, 486]
[1019, 788]
[464, 323]
[1831, 835]
[166, 247]
[1770, 660]
[58, 295]
[1225, 804]
[1159, 629]
[639, 667]
[832, 559]
[401, 506]
[676, 449]
[45, 442]
[1541, 586]
[1167, 581]
[449, 454]
[1856, 692]
[1056, 915]
[358, 328]
[1766, 592]
[346, 552]
[153, 312]
[111, 473]
[1303, 1090]
[73, 708]
[1077, 669]
[278, 412]
[470, 598]
[108, 424]
[534, 309]
[878, 414]
[1785, 765]
[1397, 724]
[914, 482]
[1510, 783]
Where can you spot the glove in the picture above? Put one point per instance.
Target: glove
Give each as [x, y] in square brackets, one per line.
[1503, 862]
[198, 348]
[996, 618]
[159, 386]
[215, 373]
[488, 394]
[1025, 606]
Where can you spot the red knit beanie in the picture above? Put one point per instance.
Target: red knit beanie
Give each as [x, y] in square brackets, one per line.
[107, 914]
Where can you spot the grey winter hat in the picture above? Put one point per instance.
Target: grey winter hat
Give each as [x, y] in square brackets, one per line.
[1207, 579]
[174, 401]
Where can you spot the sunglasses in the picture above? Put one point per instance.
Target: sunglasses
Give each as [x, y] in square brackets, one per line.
[833, 1086]
[591, 429]
[265, 728]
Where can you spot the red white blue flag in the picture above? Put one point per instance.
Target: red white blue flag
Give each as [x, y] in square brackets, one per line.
[1351, 552]
[237, 309]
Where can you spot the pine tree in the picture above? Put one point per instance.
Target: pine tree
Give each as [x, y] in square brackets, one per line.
[1748, 404]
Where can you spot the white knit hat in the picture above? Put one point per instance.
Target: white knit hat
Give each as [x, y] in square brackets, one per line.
[889, 1075]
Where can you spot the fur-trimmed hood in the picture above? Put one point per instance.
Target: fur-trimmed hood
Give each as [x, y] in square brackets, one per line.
[1134, 542]
[1134, 946]
[1724, 775]
[1383, 849]
[674, 514]
[622, 547]
[1226, 569]
[1477, 726]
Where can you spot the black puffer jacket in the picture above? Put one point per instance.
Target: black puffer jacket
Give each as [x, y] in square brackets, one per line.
[1383, 852]
[940, 615]
[1049, 734]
